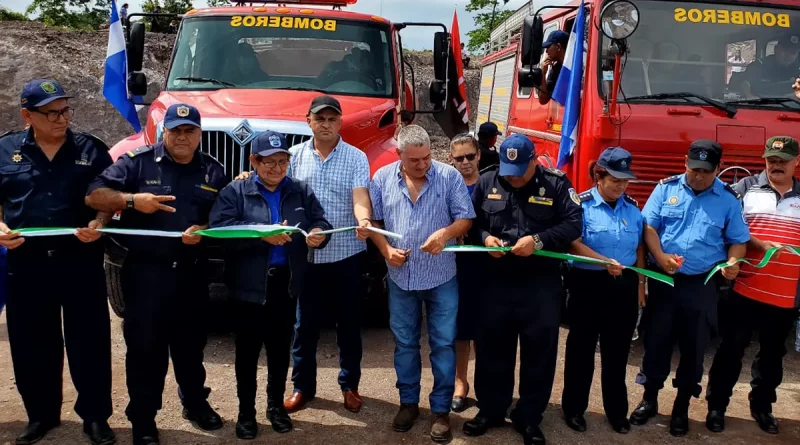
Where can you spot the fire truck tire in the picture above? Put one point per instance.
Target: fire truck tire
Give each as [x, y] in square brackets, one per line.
[114, 288]
[135, 46]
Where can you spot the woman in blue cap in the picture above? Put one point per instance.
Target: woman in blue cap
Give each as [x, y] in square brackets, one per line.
[603, 300]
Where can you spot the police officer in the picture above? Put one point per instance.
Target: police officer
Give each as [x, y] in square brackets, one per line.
[693, 222]
[487, 138]
[44, 173]
[530, 208]
[169, 186]
[603, 300]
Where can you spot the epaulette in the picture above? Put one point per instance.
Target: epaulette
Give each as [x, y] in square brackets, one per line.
[630, 199]
[586, 196]
[554, 171]
[97, 141]
[670, 179]
[733, 192]
[6, 134]
[139, 151]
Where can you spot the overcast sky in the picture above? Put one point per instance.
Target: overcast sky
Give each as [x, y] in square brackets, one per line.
[440, 11]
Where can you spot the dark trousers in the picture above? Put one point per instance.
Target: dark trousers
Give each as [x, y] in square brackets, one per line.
[686, 314]
[605, 307]
[773, 325]
[165, 305]
[335, 287]
[267, 326]
[41, 286]
[525, 308]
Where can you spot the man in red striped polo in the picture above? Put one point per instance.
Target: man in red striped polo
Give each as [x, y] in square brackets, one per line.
[762, 299]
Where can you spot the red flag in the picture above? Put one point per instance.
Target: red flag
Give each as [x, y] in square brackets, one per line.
[462, 83]
[456, 119]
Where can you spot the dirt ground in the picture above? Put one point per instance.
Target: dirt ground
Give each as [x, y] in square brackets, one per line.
[327, 422]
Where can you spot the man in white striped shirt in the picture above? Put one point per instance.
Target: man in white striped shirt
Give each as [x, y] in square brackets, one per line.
[338, 173]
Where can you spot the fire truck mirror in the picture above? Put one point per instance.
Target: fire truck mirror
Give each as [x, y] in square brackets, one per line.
[136, 47]
[529, 77]
[438, 94]
[441, 49]
[137, 84]
[532, 36]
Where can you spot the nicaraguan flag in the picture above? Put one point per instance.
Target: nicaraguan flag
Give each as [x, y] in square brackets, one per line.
[568, 89]
[115, 83]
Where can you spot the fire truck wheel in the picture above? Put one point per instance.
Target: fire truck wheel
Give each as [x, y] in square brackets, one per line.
[114, 287]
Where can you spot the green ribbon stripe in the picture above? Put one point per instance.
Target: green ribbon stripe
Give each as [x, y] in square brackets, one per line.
[566, 257]
[761, 264]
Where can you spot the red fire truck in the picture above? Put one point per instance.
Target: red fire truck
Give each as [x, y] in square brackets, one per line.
[255, 66]
[658, 74]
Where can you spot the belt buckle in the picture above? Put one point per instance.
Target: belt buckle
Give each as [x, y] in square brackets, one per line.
[272, 271]
[50, 253]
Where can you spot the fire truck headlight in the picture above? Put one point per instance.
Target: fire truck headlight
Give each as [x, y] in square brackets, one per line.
[619, 19]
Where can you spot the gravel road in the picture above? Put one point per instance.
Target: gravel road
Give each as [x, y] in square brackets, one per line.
[327, 422]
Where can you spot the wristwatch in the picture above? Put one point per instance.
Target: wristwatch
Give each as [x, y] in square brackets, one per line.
[129, 201]
[537, 242]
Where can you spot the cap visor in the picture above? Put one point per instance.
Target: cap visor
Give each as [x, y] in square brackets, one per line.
[272, 151]
[621, 175]
[319, 108]
[695, 164]
[779, 154]
[508, 169]
[179, 122]
[50, 99]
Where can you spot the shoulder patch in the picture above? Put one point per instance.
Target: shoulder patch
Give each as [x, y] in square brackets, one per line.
[670, 179]
[139, 151]
[585, 196]
[554, 171]
[630, 200]
[733, 192]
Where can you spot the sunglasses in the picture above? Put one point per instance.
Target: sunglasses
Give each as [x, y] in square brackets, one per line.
[469, 157]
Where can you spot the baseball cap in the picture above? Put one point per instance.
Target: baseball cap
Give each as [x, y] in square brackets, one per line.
[516, 152]
[784, 147]
[789, 41]
[617, 162]
[557, 36]
[268, 143]
[40, 92]
[181, 114]
[489, 129]
[322, 102]
[705, 154]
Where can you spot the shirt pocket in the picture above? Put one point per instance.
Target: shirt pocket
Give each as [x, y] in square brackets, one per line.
[17, 180]
[711, 229]
[538, 212]
[598, 236]
[630, 235]
[495, 210]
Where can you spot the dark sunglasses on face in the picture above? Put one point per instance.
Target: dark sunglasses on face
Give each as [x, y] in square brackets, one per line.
[52, 115]
[469, 157]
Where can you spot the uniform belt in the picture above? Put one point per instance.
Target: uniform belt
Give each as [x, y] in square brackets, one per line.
[277, 270]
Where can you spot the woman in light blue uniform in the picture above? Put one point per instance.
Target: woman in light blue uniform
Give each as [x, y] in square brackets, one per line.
[604, 301]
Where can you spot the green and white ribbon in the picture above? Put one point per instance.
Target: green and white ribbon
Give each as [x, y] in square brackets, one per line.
[229, 232]
[566, 257]
[761, 264]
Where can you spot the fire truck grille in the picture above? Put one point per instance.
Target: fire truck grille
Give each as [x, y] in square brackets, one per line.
[235, 157]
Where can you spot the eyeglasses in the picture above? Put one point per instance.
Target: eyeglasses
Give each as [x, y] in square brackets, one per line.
[272, 164]
[53, 115]
[470, 157]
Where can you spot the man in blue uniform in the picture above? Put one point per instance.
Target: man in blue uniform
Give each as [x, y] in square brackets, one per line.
[693, 222]
[169, 186]
[44, 173]
[531, 208]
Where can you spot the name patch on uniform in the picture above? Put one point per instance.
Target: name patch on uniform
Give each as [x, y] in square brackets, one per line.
[494, 196]
[540, 200]
[84, 160]
[153, 182]
[210, 189]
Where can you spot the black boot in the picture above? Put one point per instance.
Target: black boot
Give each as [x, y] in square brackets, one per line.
[279, 418]
[679, 423]
[145, 433]
[204, 416]
[480, 424]
[35, 431]
[99, 433]
[645, 411]
[246, 427]
[715, 420]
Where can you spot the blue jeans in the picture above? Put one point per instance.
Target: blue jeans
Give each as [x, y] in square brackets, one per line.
[405, 319]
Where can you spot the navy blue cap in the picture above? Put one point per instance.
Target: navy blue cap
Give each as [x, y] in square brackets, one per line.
[557, 36]
[516, 153]
[489, 129]
[617, 162]
[268, 143]
[181, 114]
[705, 154]
[40, 92]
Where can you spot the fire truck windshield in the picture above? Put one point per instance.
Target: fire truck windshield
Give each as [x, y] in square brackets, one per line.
[283, 52]
[725, 52]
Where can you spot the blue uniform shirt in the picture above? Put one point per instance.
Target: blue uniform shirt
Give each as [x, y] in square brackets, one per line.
[614, 233]
[697, 227]
[277, 254]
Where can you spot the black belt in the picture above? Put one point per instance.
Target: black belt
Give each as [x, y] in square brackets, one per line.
[277, 270]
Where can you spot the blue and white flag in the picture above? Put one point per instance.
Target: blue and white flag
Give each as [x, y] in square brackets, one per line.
[568, 89]
[115, 83]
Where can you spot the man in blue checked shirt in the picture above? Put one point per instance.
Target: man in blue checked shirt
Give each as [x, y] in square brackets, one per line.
[339, 175]
[427, 203]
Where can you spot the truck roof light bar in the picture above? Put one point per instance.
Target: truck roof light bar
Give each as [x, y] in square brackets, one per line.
[334, 3]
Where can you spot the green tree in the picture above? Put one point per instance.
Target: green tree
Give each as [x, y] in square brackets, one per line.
[217, 3]
[77, 14]
[485, 20]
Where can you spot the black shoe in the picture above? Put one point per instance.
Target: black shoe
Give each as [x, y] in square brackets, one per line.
[459, 405]
[621, 425]
[99, 433]
[145, 433]
[715, 421]
[644, 412]
[279, 418]
[246, 428]
[480, 424]
[204, 416]
[577, 423]
[679, 423]
[35, 431]
[533, 435]
[766, 421]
